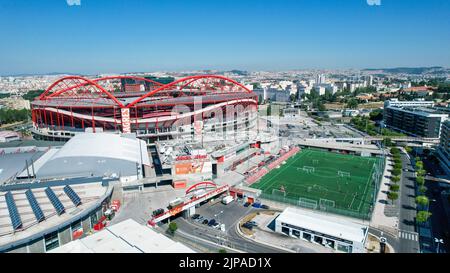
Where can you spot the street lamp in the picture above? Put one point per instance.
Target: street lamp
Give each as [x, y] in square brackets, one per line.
[438, 241]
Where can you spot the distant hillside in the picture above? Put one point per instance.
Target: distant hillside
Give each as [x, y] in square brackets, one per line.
[409, 70]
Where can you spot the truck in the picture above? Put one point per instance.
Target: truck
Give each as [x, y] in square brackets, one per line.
[227, 199]
[175, 203]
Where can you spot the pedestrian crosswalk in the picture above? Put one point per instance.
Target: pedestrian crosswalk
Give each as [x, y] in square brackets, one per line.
[413, 236]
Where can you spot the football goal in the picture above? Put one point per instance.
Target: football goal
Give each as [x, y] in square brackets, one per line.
[277, 192]
[308, 169]
[343, 174]
[307, 203]
[326, 203]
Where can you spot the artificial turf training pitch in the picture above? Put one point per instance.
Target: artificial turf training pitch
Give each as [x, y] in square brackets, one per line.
[344, 182]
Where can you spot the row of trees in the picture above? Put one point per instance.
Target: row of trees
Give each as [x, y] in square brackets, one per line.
[422, 200]
[12, 115]
[396, 173]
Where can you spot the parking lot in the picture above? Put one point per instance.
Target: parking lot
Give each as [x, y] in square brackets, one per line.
[229, 215]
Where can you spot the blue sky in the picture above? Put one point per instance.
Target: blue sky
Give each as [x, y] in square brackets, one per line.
[112, 36]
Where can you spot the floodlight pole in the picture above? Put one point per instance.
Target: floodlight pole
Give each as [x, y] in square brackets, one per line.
[438, 241]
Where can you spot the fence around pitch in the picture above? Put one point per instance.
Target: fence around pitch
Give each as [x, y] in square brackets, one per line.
[295, 202]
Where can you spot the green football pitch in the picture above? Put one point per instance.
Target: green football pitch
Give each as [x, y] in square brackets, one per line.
[321, 179]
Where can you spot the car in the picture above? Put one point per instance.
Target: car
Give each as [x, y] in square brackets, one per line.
[200, 219]
[211, 222]
[246, 204]
[195, 216]
[256, 205]
[405, 169]
[216, 225]
[205, 222]
[248, 226]
[252, 223]
[264, 206]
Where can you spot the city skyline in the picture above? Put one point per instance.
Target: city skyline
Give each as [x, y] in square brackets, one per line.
[95, 37]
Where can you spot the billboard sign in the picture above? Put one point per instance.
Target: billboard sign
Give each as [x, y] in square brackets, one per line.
[126, 123]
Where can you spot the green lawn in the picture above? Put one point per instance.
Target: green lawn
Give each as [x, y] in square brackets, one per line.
[352, 191]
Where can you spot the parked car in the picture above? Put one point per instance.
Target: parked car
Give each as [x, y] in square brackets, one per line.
[264, 206]
[248, 226]
[200, 219]
[246, 204]
[195, 216]
[205, 222]
[253, 223]
[216, 225]
[256, 205]
[211, 222]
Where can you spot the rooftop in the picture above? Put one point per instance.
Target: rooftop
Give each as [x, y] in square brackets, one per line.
[29, 223]
[125, 237]
[330, 225]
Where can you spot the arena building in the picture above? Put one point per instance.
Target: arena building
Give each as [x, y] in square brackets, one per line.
[153, 110]
[38, 217]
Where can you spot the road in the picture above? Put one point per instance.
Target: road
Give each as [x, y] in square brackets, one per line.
[229, 215]
[408, 236]
[439, 225]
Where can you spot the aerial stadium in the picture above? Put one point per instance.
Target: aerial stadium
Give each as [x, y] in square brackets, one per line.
[153, 109]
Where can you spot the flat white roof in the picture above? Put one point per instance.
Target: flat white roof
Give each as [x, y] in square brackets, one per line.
[125, 237]
[104, 145]
[330, 225]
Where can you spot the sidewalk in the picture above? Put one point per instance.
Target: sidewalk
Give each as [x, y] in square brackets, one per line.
[385, 216]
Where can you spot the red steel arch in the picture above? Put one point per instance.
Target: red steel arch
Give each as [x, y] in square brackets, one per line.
[183, 82]
[206, 183]
[80, 81]
[84, 81]
[81, 87]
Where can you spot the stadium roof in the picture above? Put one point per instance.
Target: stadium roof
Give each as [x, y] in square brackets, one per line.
[162, 100]
[125, 237]
[91, 154]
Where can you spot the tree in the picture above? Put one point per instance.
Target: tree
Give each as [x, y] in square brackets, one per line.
[422, 200]
[395, 150]
[376, 115]
[387, 142]
[395, 179]
[397, 160]
[422, 216]
[173, 227]
[260, 99]
[419, 165]
[352, 103]
[269, 109]
[292, 97]
[398, 166]
[408, 149]
[396, 172]
[421, 172]
[392, 196]
[420, 180]
[395, 187]
[222, 250]
[423, 189]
